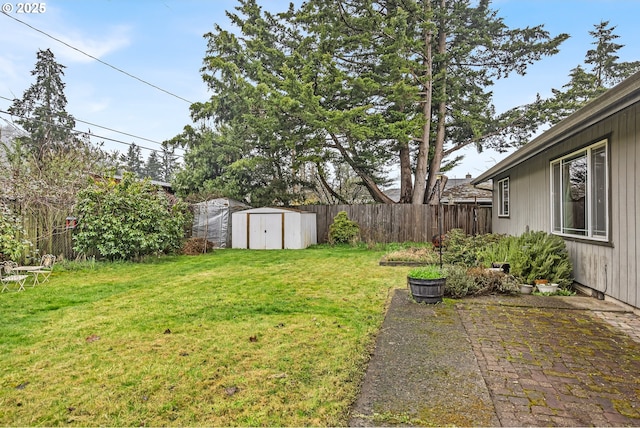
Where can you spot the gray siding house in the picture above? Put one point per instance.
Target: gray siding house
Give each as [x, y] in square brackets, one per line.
[581, 180]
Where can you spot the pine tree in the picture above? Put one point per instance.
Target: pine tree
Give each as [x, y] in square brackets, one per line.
[41, 111]
[133, 160]
[604, 58]
[371, 82]
[168, 163]
[153, 167]
[586, 82]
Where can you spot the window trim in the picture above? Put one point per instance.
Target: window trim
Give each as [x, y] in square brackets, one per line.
[502, 212]
[587, 152]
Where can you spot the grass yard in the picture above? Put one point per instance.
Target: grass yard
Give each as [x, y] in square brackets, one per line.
[235, 337]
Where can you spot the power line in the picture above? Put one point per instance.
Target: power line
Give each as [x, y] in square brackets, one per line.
[77, 132]
[99, 126]
[99, 60]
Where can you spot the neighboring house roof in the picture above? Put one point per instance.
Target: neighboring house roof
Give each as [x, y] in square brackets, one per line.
[460, 190]
[457, 190]
[614, 100]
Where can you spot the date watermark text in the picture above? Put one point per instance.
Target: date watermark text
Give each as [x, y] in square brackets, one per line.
[24, 8]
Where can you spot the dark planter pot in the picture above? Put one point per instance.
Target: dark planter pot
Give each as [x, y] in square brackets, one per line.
[426, 290]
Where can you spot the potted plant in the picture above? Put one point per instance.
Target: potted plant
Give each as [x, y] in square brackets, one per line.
[526, 288]
[427, 283]
[546, 287]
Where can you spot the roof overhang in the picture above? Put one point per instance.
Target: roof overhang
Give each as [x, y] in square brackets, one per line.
[614, 100]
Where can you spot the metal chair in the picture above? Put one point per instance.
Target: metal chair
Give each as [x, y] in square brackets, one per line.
[8, 277]
[46, 267]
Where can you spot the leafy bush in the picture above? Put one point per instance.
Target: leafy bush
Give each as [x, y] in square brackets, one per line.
[128, 219]
[462, 249]
[12, 246]
[459, 284]
[476, 281]
[531, 256]
[343, 230]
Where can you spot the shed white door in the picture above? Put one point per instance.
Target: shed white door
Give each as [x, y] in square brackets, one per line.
[265, 231]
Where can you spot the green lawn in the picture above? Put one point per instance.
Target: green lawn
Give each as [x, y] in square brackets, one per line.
[235, 337]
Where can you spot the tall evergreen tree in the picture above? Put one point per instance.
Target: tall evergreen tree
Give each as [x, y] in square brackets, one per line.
[169, 162]
[373, 82]
[133, 160]
[41, 111]
[602, 70]
[153, 166]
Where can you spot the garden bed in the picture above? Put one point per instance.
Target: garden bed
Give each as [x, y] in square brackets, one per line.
[411, 256]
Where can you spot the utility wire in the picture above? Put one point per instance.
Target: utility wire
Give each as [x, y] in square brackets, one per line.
[99, 60]
[100, 126]
[77, 132]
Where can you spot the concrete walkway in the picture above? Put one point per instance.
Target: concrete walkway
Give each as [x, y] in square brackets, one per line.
[503, 361]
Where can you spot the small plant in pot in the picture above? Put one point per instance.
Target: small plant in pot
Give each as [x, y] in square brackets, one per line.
[427, 283]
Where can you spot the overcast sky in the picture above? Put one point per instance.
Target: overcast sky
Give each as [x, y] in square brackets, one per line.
[161, 42]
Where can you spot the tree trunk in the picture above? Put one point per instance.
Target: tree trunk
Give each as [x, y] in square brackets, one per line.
[438, 152]
[406, 186]
[368, 182]
[422, 161]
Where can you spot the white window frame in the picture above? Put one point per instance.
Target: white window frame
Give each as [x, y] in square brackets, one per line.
[590, 232]
[504, 197]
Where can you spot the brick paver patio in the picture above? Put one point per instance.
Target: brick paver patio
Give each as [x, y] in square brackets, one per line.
[557, 367]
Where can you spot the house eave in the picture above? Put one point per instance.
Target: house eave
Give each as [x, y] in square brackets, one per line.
[614, 100]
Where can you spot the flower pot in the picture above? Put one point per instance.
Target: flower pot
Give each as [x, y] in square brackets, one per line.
[547, 288]
[426, 290]
[526, 288]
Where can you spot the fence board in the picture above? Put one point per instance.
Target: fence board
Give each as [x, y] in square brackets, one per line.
[386, 223]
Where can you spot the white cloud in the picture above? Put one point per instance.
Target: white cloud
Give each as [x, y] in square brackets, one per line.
[117, 38]
[97, 106]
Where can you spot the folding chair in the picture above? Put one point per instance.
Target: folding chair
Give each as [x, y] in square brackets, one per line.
[45, 269]
[7, 277]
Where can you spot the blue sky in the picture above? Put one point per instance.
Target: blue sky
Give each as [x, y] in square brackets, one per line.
[162, 43]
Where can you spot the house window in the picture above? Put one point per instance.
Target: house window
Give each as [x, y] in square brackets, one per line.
[579, 196]
[503, 197]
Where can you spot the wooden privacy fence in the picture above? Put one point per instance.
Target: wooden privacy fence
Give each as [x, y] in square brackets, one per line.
[47, 228]
[386, 223]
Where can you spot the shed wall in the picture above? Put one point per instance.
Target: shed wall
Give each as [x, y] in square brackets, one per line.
[611, 268]
[272, 228]
[212, 220]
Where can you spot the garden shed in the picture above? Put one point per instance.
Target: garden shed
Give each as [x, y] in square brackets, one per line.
[273, 228]
[212, 220]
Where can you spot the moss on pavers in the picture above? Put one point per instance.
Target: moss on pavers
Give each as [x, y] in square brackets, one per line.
[423, 371]
[586, 371]
[502, 360]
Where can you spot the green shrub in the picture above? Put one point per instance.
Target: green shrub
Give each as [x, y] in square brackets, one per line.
[531, 256]
[488, 282]
[459, 283]
[462, 281]
[503, 250]
[463, 249]
[543, 256]
[458, 248]
[12, 245]
[343, 230]
[127, 220]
